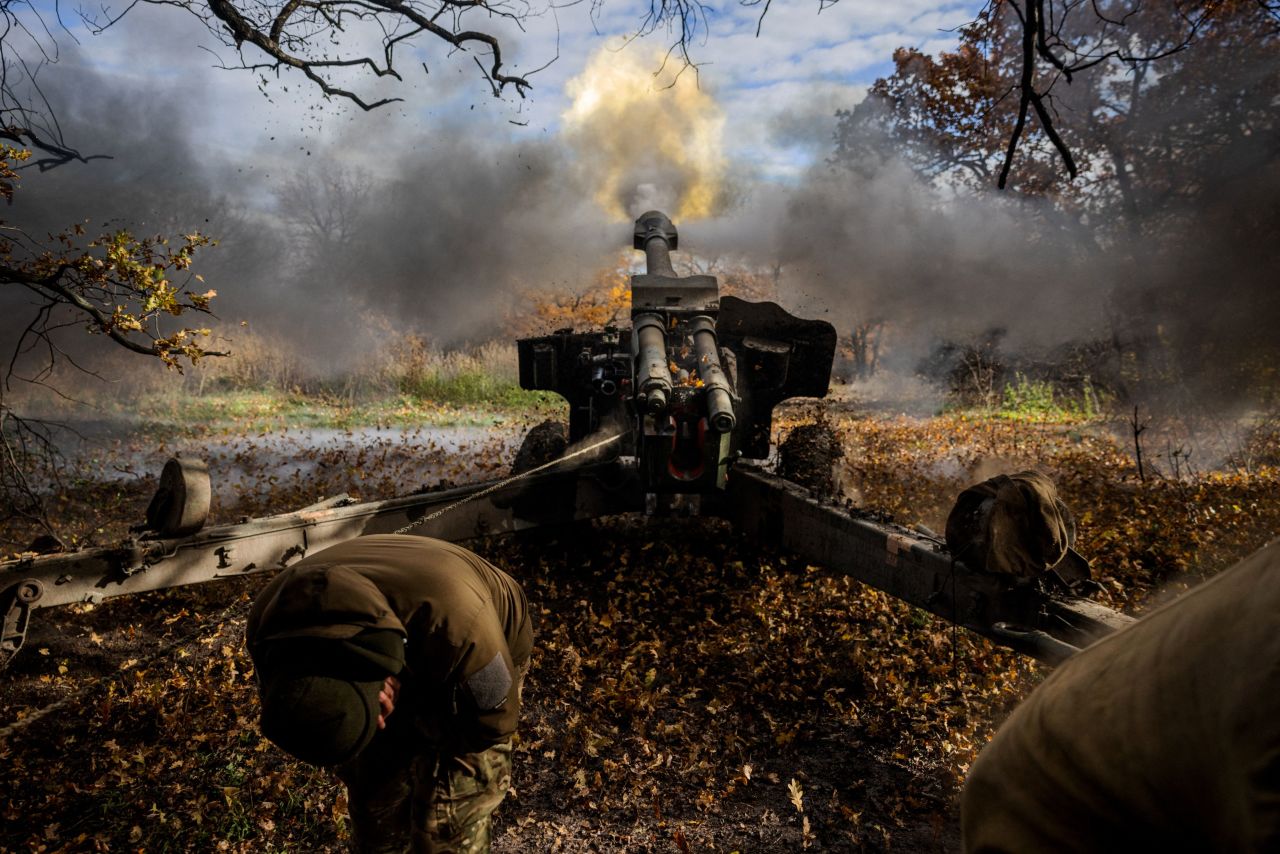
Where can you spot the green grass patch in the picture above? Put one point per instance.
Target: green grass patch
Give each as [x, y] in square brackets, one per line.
[470, 388]
[1027, 399]
[450, 403]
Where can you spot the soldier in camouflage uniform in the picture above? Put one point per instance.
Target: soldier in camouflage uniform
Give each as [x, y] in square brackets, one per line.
[397, 661]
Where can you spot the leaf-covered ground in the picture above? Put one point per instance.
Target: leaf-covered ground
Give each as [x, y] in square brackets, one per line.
[688, 692]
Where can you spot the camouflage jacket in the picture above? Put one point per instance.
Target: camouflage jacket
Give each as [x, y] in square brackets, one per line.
[465, 622]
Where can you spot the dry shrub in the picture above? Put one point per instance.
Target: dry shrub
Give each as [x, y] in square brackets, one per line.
[603, 300]
[256, 361]
[412, 359]
[396, 362]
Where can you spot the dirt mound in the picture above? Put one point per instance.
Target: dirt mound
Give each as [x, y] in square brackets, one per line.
[809, 456]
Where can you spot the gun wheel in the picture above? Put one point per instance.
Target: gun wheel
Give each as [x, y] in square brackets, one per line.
[542, 444]
[180, 506]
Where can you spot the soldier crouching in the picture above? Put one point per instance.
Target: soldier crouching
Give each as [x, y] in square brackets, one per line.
[397, 661]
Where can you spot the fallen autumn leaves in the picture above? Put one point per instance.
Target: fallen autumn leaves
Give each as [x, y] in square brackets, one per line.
[688, 693]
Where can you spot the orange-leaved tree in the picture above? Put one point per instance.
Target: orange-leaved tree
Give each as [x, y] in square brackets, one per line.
[603, 300]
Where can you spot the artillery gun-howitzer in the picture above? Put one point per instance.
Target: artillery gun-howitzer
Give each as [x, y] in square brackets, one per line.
[674, 410]
[690, 386]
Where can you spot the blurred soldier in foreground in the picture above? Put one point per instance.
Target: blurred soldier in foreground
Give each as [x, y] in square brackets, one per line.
[1162, 737]
[398, 661]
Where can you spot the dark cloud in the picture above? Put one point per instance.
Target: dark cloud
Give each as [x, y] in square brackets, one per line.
[450, 227]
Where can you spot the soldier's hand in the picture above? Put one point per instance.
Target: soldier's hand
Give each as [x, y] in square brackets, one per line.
[387, 700]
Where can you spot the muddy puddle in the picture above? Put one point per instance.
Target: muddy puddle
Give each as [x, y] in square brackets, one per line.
[341, 460]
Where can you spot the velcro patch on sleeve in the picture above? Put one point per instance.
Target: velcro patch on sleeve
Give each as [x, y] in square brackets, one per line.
[489, 685]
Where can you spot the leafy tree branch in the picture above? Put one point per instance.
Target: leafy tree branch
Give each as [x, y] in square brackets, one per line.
[116, 285]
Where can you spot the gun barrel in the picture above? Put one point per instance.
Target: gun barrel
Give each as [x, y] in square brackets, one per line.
[658, 257]
[719, 402]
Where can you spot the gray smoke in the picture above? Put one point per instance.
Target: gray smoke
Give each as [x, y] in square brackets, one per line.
[1182, 277]
[880, 243]
[457, 230]
[445, 228]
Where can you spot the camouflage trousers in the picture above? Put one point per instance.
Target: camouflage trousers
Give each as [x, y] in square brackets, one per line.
[425, 803]
[404, 799]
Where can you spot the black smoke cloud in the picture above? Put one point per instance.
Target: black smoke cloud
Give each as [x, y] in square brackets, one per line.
[879, 243]
[449, 230]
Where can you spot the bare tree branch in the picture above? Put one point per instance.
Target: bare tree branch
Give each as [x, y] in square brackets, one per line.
[301, 34]
[1043, 39]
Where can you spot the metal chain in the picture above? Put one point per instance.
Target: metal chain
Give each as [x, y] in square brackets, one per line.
[508, 481]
